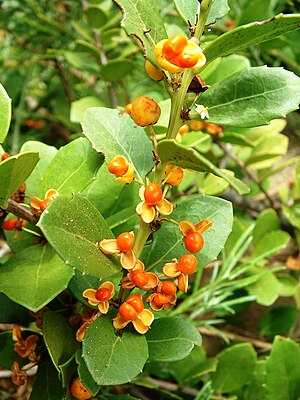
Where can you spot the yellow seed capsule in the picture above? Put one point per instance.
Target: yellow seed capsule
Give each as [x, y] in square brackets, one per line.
[153, 72]
[173, 175]
[145, 111]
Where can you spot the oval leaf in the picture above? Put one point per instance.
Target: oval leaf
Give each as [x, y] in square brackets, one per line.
[171, 152]
[188, 10]
[251, 34]
[143, 21]
[14, 171]
[252, 97]
[47, 385]
[44, 272]
[5, 116]
[73, 227]
[171, 339]
[115, 134]
[68, 174]
[194, 209]
[113, 359]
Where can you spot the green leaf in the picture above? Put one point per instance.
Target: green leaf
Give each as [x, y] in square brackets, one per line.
[85, 375]
[46, 154]
[171, 152]
[228, 376]
[96, 16]
[7, 351]
[292, 214]
[59, 338]
[114, 134]
[227, 66]
[279, 320]
[13, 313]
[287, 285]
[14, 171]
[116, 69]
[270, 243]
[146, 26]
[113, 359]
[194, 209]
[73, 227]
[283, 372]
[44, 272]
[171, 339]
[188, 10]
[256, 10]
[71, 174]
[266, 222]
[5, 115]
[47, 385]
[256, 387]
[79, 107]
[251, 34]
[80, 282]
[265, 288]
[252, 97]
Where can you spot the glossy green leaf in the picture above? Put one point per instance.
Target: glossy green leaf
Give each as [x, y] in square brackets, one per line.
[12, 313]
[96, 16]
[46, 154]
[116, 69]
[115, 134]
[147, 27]
[266, 222]
[265, 288]
[47, 385]
[278, 320]
[283, 372]
[252, 97]
[79, 107]
[171, 339]
[227, 66]
[14, 171]
[171, 152]
[110, 358]
[73, 227]
[45, 274]
[188, 10]
[85, 375]
[5, 113]
[194, 209]
[72, 169]
[251, 34]
[59, 338]
[228, 376]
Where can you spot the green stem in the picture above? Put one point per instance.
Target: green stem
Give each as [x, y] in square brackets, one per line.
[205, 7]
[141, 238]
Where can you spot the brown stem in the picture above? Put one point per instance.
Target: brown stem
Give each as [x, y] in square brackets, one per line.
[15, 208]
[65, 81]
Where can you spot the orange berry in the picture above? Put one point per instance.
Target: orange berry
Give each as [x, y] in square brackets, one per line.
[79, 391]
[128, 312]
[196, 125]
[125, 241]
[185, 60]
[9, 224]
[193, 242]
[160, 299]
[4, 156]
[187, 264]
[118, 166]
[153, 193]
[153, 72]
[183, 129]
[174, 46]
[173, 175]
[136, 302]
[128, 108]
[139, 277]
[145, 111]
[103, 294]
[169, 288]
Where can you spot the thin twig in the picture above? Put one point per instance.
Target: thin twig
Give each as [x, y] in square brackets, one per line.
[15, 208]
[65, 81]
[234, 336]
